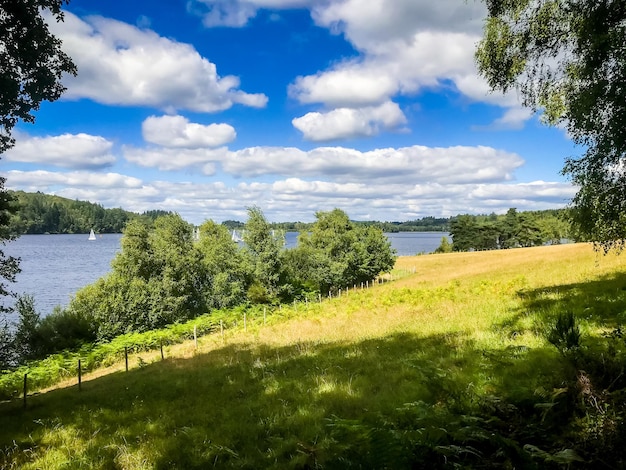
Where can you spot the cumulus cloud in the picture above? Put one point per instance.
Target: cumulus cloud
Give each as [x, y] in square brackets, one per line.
[295, 198]
[513, 118]
[405, 46]
[178, 132]
[344, 123]
[38, 180]
[408, 164]
[81, 151]
[170, 159]
[237, 13]
[458, 164]
[121, 64]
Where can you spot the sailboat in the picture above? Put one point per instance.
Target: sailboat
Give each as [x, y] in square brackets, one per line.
[92, 235]
[236, 237]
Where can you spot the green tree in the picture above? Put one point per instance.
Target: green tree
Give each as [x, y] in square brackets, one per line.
[26, 335]
[568, 60]
[227, 274]
[264, 249]
[464, 233]
[445, 246]
[337, 253]
[9, 265]
[32, 62]
[157, 278]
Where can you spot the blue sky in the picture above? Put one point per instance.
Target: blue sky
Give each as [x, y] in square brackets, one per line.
[207, 107]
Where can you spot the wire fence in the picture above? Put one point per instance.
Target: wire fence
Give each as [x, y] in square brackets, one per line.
[33, 377]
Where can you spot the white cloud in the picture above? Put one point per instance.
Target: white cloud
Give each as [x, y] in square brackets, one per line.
[408, 164]
[513, 118]
[170, 159]
[413, 164]
[177, 131]
[365, 22]
[82, 151]
[237, 13]
[41, 180]
[121, 64]
[351, 83]
[405, 47]
[295, 198]
[344, 123]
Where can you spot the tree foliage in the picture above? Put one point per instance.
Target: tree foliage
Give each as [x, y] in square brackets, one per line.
[337, 253]
[157, 278]
[32, 64]
[225, 266]
[567, 58]
[263, 246]
[511, 230]
[44, 213]
[32, 61]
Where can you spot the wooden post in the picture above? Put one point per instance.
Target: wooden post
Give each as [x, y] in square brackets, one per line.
[195, 336]
[126, 357]
[162, 356]
[320, 297]
[25, 389]
[79, 377]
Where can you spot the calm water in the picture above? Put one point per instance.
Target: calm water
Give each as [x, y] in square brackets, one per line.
[54, 267]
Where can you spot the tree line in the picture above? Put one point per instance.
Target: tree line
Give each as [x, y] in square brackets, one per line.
[38, 213]
[168, 271]
[511, 230]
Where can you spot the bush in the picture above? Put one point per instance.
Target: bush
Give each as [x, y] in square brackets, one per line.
[565, 333]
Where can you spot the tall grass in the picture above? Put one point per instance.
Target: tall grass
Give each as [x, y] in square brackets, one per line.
[449, 366]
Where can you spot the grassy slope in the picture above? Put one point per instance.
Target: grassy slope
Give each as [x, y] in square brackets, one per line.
[406, 372]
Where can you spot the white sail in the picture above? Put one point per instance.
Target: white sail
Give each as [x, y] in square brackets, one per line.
[236, 237]
[92, 235]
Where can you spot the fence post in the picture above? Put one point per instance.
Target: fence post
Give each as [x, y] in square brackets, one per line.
[79, 377]
[25, 389]
[162, 356]
[126, 357]
[195, 336]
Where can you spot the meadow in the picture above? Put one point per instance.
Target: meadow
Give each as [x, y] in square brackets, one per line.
[449, 366]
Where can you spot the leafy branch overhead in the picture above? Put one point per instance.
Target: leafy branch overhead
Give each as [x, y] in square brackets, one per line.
[33, 62]
[567, 59]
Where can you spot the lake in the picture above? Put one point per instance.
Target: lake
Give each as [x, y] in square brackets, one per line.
[54, 267]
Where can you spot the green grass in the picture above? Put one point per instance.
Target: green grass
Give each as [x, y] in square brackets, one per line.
[445, 367]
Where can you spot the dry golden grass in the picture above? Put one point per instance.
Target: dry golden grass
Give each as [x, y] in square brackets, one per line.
[434, 294]
[440, 337]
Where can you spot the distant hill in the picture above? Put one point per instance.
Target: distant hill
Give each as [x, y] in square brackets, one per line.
[43, 213]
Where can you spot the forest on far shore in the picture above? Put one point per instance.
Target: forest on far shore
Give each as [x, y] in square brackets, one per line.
[41, 213]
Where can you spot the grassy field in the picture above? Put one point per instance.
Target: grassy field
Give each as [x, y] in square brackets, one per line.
[448, 367]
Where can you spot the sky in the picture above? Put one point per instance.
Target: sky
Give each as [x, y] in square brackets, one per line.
[208, 107]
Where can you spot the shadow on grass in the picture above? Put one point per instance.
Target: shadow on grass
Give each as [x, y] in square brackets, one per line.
[600, 303]
[397, 402]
